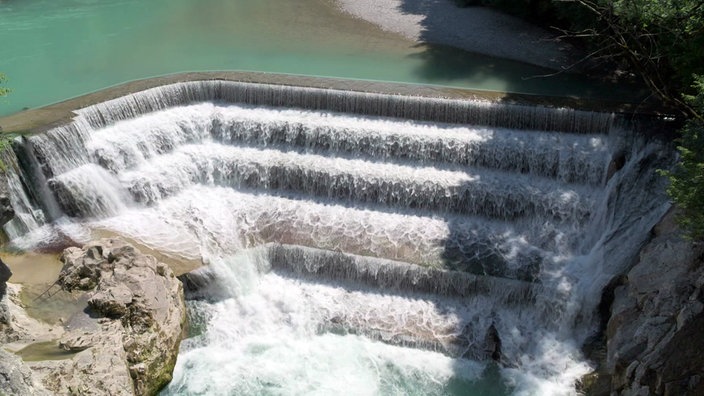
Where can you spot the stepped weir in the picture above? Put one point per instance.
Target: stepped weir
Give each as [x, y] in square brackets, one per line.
[472, 229]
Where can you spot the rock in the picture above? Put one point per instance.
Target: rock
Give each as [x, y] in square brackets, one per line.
[7, 212]
[683, 364]
[16, 378]
[5, 316]
[617, 162]
[22, 329]
[77, 342]
[493, 343]
[112, 303]
[5, 275]
[654, 333]
[101, 369]
[136, 311]
[82, 269]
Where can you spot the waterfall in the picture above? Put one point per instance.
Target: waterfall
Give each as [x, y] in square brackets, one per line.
[376, 273]
[462, 229]
[28, 216]
[475, 112]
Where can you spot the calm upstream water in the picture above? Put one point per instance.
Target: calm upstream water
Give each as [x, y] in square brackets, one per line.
[56, 49]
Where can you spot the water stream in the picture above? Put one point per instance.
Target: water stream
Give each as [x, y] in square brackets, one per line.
[360, 243]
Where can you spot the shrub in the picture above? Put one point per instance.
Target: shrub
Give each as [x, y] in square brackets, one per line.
[687, 179]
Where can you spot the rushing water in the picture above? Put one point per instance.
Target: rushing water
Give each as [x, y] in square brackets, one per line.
[356, 251]
[56, 49]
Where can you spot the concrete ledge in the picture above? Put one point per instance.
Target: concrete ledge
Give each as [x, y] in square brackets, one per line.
[47, 117]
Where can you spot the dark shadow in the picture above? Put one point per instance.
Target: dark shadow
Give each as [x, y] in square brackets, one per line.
[448, 64]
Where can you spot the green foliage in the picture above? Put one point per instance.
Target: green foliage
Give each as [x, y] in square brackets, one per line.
[659, 41]
[5, 144]
[3, 91]
[668, 34]
[687, 180]
[663, 42]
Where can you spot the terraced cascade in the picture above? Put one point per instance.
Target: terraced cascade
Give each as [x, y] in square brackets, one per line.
[381, 243]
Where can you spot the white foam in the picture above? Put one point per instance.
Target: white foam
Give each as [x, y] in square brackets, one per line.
[162, 179]
[267, 334]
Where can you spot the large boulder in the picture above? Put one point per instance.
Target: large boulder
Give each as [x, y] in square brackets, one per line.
[135, 316]
[655, 336]
[5, 275]
[16, 378]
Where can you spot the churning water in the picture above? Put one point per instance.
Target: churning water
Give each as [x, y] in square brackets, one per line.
[357, 243]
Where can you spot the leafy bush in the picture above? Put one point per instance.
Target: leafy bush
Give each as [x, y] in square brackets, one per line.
[661, 42]
[687, 180]
[3, 91]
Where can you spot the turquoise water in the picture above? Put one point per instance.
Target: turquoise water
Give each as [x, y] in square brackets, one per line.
[56, 49]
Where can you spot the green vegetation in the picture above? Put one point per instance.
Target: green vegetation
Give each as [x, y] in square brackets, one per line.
[5, 144]
[3, 90]
[687, 180]
[660, 42]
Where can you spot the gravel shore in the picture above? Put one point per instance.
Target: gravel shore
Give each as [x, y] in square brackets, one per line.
[475, 29]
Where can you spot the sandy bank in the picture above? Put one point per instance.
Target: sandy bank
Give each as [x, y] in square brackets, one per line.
[475, 29]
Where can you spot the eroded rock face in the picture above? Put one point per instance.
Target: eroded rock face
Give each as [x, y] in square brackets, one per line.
[16, 378]
[5, 316]
[129, 340]
[655, 334]
[7, 212]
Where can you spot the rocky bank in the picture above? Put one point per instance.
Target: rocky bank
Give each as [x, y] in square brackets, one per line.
[655, 330]
[15, 377]
[124, 342]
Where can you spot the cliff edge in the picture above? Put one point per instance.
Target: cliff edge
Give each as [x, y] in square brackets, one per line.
[654, 334]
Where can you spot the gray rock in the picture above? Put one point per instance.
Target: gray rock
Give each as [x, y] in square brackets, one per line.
[5, 275]
[100, 369]
[16, 378]
[7, 212]
[655, 344]
[78, 341]
[5, 316]
[113, 302]
[141, 311]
